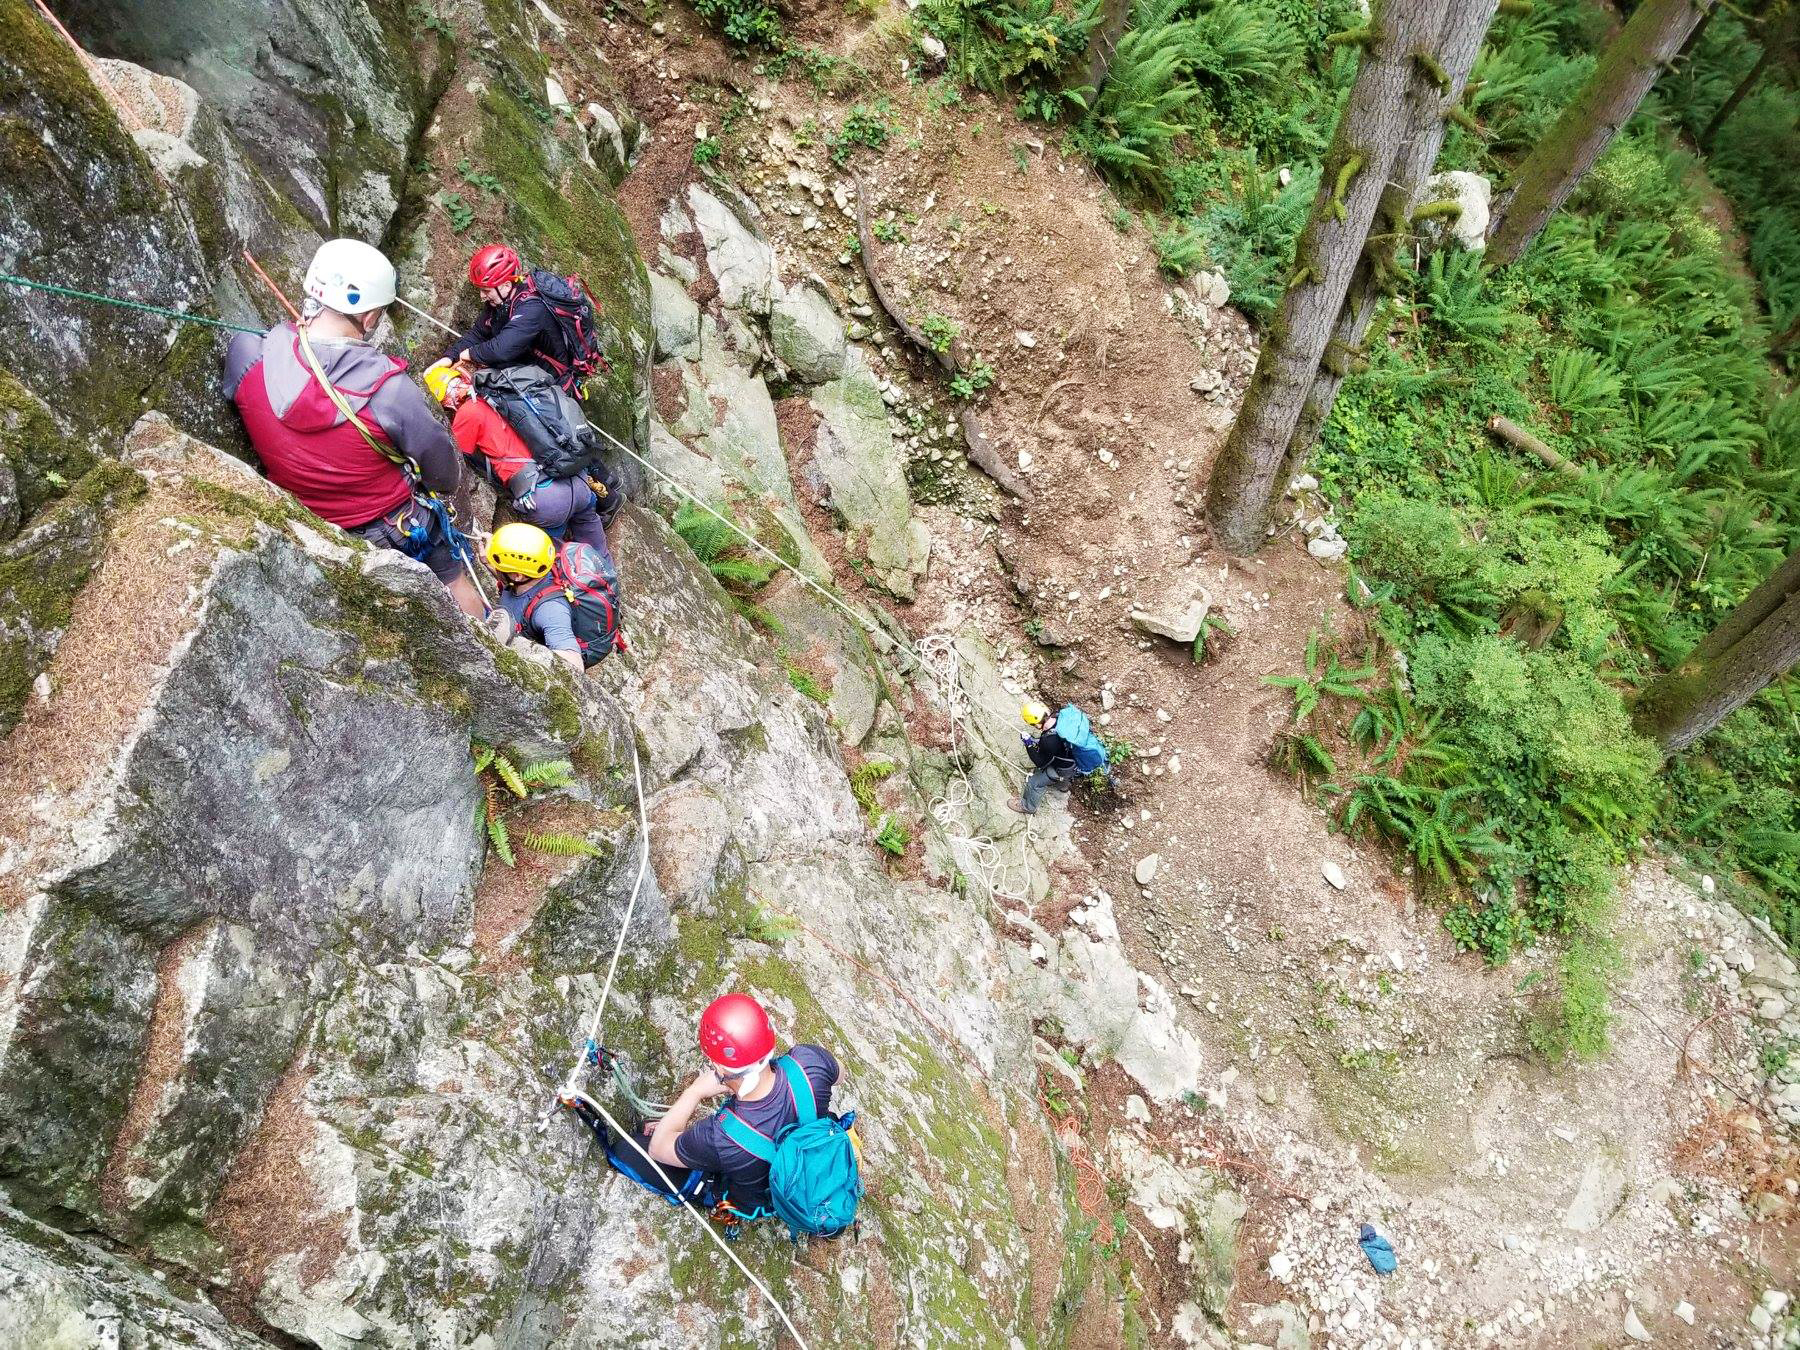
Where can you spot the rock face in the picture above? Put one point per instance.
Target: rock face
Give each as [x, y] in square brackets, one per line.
[341, 159]
[302, 1050]
[275, 1016]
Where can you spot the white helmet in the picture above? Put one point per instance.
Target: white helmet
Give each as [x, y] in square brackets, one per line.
[350, 276]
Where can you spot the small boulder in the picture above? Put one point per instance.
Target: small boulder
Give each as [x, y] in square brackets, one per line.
[1473, 195]
[674, 319]
[1179, 619]
[1634, 1327]
[1327, 549]
[807, 336]
[1145, 871]
[1333, 874]
[1685, 1311]
[1211, 288]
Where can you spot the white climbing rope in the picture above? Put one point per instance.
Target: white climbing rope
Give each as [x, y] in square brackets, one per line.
[612, 967]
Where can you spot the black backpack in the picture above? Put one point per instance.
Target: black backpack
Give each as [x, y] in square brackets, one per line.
[567, 299]
[553, 427]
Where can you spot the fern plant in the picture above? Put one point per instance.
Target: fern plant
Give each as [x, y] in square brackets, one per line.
[716, 544]
[1325, 677]
[504, 784]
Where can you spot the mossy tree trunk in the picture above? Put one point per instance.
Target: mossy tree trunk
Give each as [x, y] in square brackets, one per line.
[1429, 102]
[1246, 476]
[1103, 45]
[1758, 642]
[1627, 69]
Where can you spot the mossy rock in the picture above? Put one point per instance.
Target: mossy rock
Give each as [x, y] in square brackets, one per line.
[39, 456]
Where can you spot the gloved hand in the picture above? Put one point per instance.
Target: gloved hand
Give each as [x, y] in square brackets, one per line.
[500, 626]
[526, 500]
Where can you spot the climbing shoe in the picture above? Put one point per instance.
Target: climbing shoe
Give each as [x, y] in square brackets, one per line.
[589, 1115]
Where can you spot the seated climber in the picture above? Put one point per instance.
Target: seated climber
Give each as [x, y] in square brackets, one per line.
[564, 596]
[529, 315]
[564, 508]
[1063, 750]
[724, 1161]
[332, 424]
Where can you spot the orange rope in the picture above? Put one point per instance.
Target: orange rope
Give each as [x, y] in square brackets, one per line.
[93, 69]
[256, 267]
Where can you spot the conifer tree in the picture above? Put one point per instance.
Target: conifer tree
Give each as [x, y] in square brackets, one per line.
[1374, 124]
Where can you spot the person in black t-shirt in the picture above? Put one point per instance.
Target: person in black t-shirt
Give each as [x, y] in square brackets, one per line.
[699, 1158]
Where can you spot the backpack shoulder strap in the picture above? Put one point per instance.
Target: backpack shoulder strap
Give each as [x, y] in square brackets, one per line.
[806, 1106]
[746, 1136]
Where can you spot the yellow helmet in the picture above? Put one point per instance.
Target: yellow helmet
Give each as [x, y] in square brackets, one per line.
[441, 377]
[521, 549]
[1033, 712]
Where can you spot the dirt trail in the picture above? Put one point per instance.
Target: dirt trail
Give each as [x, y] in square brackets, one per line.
[1361, 1060]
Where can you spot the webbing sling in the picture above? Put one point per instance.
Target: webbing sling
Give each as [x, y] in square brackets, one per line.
[752, 1140]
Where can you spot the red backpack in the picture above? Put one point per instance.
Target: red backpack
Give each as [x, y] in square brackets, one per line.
[590, 583]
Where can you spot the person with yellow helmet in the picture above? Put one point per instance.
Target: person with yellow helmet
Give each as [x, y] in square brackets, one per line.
[1064, 749]
[563, 596]
[564, 508]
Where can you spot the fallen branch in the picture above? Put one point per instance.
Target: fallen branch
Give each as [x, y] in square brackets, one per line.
[1515, 435]
[979, 448]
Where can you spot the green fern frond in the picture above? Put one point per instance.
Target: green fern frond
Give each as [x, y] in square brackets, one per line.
[504, 770]
[499, 838]
[561, 845]
[548, 773]
[484, 756]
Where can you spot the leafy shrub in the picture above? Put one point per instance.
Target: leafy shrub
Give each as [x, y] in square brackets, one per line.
[1247, 221]
[749, 22]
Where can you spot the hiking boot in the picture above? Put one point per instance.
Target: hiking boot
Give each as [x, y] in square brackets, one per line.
[1018, 804]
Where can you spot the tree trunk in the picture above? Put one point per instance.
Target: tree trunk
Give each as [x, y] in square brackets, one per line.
[1246, 476]
[1103, 45]
[1776, 33]
[1783, 340]
[1693, 38]
[1465, 24]
[1758, 642]
[1627, 69]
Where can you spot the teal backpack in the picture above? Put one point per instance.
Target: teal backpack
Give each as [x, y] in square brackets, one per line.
[814, 1180]
[1078, 733]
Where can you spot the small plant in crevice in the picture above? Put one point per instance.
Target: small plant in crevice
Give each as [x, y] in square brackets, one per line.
[806, 684]
[707, 150]
[461, 214]
[504, 785]
[939, 332]
[972, 379]
[893, 837]
[736, 566]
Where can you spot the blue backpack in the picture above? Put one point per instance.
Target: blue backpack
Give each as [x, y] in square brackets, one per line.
[1078, 733]
[814, 1180]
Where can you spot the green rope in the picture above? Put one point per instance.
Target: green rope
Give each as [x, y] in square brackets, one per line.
[127, 304]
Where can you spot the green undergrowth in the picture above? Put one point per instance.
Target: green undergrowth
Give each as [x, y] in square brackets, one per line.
[1509, 613]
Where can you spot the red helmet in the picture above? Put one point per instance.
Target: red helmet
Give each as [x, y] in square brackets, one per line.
[494, 265]
[735, 1031]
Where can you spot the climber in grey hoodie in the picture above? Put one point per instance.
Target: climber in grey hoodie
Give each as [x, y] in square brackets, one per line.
[309, 447]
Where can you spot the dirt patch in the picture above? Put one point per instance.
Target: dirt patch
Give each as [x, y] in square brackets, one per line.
[668, 393]
[268, 1208]
[162, 1062]
[508, 898]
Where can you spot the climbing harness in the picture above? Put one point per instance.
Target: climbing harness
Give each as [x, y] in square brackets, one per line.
[181, 316]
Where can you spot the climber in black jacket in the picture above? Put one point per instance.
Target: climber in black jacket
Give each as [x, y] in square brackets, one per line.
[517, 323]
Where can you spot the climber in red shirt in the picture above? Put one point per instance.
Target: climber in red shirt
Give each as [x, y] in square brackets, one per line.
[564, 508]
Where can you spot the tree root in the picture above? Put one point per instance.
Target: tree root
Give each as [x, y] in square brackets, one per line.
[979, 449]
